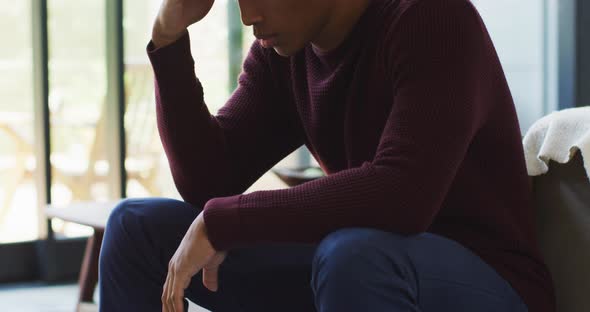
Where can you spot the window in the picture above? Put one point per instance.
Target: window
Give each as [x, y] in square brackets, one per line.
[18, 194]
[77, 100]
[146, 165]
[521, 30]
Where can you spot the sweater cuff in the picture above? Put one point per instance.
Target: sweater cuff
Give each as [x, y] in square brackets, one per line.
[171, 59]
[222, 221]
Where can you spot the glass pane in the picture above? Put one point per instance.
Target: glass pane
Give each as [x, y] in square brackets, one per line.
[146, 163]
[77, 92]
[517, 30]
[209, 44]
[249, 38]
[18, 195]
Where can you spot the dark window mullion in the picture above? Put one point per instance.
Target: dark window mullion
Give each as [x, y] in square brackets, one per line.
[115, 99]
[41, 112]
[567, 54]
[235, 43]
[574, 49]
[583, 53]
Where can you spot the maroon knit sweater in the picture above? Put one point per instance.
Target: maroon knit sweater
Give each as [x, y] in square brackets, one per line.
[411, 118]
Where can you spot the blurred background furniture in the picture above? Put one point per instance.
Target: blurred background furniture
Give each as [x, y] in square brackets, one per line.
[17, 165]
[296, 176]
[79, 174]
[143, 149]
[95, 215]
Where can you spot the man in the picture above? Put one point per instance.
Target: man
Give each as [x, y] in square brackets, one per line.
[425, 206]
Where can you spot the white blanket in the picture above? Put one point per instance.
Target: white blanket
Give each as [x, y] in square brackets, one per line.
[558, 136]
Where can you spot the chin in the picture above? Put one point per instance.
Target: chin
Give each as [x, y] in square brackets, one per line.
[286, 51]
[282, 52]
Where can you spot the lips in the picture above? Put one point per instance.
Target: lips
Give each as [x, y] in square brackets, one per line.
[264, 37]
[266, 41]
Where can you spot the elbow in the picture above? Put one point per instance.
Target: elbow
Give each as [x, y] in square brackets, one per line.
[190, 197]
[398, 218]
[406, 215]
[404, 205]
[187, 190]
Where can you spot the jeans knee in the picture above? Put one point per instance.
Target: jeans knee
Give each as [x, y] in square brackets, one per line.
[118, 215]
[337, 249]
[146, 223]
[355, 253]
[116, 241]
[131, 213]
[344, 251]
[133, 221]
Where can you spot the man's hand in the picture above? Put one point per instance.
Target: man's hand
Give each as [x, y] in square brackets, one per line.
[194, 253]
[175, 16]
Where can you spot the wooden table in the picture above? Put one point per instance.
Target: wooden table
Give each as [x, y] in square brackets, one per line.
[95, 215]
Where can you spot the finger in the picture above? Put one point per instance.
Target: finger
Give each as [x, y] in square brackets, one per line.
[177, 294]
[210, 278]
[211, 271]
[170, 299]
[165, 294]
[170, 292]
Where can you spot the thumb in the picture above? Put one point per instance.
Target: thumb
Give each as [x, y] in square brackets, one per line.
[211, 271]
[210, 278]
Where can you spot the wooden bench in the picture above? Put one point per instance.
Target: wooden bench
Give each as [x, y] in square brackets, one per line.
[95, 215]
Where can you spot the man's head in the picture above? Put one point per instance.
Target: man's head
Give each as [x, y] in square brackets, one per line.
[288, 25]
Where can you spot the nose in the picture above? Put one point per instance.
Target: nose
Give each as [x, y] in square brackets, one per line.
[249, 12]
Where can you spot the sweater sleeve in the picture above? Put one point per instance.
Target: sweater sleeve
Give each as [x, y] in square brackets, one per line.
[221, 155]
[436, 62]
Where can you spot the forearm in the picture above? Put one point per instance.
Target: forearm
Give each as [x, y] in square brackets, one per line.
[368, 196]
[191, 137]
[215, 156]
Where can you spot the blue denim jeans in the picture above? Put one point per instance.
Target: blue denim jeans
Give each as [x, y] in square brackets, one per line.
[352, 269]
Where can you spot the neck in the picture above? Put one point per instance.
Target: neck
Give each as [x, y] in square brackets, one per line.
[341, 21]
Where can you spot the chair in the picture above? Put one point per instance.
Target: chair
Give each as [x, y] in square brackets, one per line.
[16, 166]
[143, 150]
[144, 155]
[562, 201]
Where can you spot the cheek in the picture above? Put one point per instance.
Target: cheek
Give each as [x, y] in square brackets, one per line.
[287, 14]
[287, 6]
[296, 20]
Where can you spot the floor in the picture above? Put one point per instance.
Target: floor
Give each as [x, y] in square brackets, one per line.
[38, 297]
